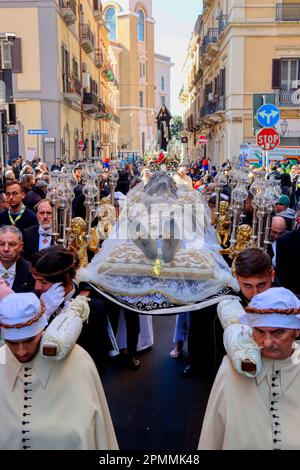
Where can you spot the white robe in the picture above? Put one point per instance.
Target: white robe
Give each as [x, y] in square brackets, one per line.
[260, 414]
[53, 405]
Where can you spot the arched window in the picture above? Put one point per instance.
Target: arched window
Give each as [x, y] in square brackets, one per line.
[110, 19]
[141, 26]
[162, 83]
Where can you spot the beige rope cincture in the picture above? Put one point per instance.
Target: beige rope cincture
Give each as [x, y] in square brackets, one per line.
[28, 323]
[283, 311]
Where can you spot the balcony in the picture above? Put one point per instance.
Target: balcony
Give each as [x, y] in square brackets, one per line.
[213, 109]
[90, 102]
[116, 119]
[73, 92]
[209, 44]
[98, 59]
[68, 10]
[87, 38]
[97, 10]
[288, 12]
[288, 98]
[222, 23]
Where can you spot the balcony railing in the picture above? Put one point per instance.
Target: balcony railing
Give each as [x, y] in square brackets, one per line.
[90, 102]
[288, 11]
[87, 38]
[97, 10]
[73, 92]
[212, 107]
[288, 98]
[99, 58]
[222, 23]
[68, 10]
[210, 38]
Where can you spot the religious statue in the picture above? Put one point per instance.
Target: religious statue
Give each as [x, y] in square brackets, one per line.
[163, 127]
[78, 240]
[223, 225]
[243, 241]
[107, 216]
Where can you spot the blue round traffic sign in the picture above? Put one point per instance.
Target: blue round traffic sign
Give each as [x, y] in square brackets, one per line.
[268, 115]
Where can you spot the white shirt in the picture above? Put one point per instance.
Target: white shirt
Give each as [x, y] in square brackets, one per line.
[45, 237]
[8, 274]
[274, 243]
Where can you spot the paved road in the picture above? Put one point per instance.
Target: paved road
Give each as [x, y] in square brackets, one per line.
[155, 408]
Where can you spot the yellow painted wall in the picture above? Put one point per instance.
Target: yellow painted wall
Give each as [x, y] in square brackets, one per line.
[29, 113]
[24, 23]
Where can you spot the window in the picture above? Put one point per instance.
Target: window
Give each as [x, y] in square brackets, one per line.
[141, 26]
[141, 99]
[65, 68]
[162, 83]
[162, 100]
[142, 69]
[289, 74]
[110, 19]
[285, 74]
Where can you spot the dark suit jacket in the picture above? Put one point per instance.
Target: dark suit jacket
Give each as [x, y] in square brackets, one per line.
[31, 242]
[28, 219]
[288, 261]
[24, 281]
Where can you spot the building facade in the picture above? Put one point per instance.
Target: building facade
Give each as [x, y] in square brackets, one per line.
[162, 81]
[249, 54]
[190, 94]
[64, 78]
[131, 33]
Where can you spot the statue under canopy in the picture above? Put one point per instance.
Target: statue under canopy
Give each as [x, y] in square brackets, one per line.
[163, 127]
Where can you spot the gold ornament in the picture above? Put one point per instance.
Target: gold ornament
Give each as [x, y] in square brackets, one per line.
[223, 226]
[157, 268]
[243, 241]
[78, 240]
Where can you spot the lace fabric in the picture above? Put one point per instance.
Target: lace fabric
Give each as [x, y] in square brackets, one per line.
[169, 225]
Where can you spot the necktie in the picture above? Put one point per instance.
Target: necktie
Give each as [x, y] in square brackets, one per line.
[45, 234]
[7, 274]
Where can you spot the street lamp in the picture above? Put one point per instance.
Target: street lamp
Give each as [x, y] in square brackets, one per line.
[284, 127]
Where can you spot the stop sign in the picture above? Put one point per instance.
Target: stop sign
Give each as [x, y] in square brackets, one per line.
[81, 145]
[202, 139]
[268, 139]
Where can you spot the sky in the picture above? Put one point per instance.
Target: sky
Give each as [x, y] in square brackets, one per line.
[174, 23]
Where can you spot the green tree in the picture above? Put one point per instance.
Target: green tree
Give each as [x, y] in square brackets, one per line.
[176, 126]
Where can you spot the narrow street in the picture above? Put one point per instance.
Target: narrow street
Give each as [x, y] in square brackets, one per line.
[155, 408]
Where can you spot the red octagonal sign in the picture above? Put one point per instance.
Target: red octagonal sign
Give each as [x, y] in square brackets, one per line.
[268, 139]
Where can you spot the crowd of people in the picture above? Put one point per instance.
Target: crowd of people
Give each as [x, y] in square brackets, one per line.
[38, 281]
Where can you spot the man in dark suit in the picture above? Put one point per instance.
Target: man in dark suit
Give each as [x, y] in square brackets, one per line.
[288, 259]
[277, 229]
[14, 269]
[39, 236]
[17, 214]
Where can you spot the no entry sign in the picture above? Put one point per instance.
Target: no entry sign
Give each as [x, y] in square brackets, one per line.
[268, 139]
[202, 139]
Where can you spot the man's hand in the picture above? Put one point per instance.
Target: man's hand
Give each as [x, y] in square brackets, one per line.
[53, 298]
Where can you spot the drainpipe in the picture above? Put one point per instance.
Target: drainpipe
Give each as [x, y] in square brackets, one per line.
[80, 71]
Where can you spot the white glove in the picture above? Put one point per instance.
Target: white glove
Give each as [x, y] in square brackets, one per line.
[241, 348]
[53, 298]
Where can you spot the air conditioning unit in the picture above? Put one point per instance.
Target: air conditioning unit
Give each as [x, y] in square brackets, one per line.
[86, 80]
[5, 55]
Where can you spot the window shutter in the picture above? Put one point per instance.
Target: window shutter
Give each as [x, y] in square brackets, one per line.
[276, 71]
[224, 82]
[16, 54]
[299, 73]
